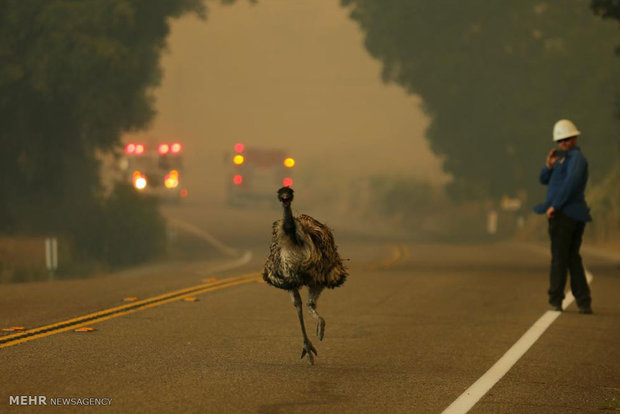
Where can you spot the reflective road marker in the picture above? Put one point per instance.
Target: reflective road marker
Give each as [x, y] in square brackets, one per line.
[96, 317]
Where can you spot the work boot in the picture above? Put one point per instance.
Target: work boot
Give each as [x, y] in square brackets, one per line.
[586, 310]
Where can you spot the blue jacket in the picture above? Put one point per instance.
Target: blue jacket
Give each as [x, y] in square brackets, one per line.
[567, 185]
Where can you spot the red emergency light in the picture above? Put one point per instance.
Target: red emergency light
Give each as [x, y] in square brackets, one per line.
[137, 149]
[163, 149]
[175, 148]
[239, 147]
[238, 179]
[287, 182]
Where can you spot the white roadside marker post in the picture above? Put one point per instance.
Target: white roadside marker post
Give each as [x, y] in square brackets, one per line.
[492, 222]
[51, 256]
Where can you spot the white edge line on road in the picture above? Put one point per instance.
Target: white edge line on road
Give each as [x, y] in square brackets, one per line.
[223, 248]
[244, 259]
[478, 389]
[190, 228]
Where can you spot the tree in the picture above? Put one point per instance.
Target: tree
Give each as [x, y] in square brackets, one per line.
[74, 75]
[494, 77]
[607, 9]
[605, 197]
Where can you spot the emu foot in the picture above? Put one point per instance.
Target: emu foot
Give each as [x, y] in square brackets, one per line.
[320, 328]
[309, 349]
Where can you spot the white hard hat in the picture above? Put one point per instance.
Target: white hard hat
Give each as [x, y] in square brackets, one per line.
[564, 129]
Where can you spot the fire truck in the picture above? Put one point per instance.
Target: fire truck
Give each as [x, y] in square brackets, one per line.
[155, 168]
[257, 173]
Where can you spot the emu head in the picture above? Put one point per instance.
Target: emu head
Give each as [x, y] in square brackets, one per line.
[285, 195]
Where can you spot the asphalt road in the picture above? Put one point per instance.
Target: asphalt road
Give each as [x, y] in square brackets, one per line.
[413, 327]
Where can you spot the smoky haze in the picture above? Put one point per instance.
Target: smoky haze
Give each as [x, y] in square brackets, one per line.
[292, 75]
[331, 83]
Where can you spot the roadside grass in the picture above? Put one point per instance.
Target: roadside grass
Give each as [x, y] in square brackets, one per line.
[611, 405]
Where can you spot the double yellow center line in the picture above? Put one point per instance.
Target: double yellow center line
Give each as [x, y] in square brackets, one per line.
[96, 317]
[399, 253]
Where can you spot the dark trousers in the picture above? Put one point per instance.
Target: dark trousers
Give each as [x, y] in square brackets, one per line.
[566, 235]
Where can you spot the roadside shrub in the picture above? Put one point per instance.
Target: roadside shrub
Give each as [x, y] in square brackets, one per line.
[135, 231]
[125, 229]
[604, 200]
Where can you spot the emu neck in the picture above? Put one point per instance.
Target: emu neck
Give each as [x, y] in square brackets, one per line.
[289, 224]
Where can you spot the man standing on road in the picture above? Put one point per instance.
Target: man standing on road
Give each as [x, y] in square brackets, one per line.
[566, 174]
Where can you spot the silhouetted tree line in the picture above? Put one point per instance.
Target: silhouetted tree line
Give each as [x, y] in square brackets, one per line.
[495, 76]
[75, 75]
[605, 198]
[607, 9]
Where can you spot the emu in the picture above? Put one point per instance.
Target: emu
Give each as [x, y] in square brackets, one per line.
[303, 253]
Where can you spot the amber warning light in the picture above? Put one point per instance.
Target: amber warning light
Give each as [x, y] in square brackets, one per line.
[238, 159]
[139, 180]
[171, 180]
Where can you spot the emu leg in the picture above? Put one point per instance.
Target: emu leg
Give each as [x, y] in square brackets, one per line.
[313, 297]
[308, 347]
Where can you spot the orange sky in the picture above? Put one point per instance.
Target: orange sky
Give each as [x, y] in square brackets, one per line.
[289, 74]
